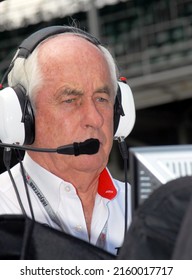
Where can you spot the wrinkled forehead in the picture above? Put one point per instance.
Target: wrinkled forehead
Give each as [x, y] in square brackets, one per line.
[70, 48]
[73, 48]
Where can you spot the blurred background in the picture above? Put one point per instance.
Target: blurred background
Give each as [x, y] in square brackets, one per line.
[151, 41]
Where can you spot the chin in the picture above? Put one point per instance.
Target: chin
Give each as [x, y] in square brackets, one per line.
[91, 162]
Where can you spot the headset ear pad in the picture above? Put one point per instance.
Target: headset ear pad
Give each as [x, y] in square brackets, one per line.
[124, 111]
[17, 123]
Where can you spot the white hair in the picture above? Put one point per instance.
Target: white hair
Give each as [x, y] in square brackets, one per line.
[27, 73]
[112, 66]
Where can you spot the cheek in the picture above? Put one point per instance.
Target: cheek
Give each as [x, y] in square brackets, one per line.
[52, 128]
[109, 121]
[44, 126]
[109, 130]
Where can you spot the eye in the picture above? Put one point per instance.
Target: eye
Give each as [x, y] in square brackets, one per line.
[70, 100]
[102, 99]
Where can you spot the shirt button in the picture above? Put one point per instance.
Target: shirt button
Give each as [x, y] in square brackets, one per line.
[78, 228]
[67, 188]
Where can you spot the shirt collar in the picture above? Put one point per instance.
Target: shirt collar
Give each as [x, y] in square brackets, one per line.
[106, 186]
[43, 178]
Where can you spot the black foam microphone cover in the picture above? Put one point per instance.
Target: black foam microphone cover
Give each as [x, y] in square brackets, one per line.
[88, 147]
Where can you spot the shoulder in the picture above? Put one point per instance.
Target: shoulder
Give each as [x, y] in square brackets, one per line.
[8, 200]
[118, 183]
[120, 186]
[122, 192]
[5, 181]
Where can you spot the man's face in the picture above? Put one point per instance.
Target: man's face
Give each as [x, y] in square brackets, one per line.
[75, 102]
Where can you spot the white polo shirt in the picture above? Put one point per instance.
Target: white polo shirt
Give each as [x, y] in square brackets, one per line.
[56, 204]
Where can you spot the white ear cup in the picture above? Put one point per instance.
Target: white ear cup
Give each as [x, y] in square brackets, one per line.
[126, 122]
[12, 129]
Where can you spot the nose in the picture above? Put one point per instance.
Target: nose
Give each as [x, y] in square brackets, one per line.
[91, 115]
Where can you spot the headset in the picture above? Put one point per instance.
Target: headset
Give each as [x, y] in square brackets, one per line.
[17, 120]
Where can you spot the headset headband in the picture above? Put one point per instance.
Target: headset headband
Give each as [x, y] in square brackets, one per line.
[30, 43]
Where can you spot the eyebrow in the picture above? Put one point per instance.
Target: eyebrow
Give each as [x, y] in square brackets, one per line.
[67, 91]
[104, 89]
[72, 91]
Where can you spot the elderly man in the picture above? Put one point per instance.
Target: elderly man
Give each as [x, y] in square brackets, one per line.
[70, 83]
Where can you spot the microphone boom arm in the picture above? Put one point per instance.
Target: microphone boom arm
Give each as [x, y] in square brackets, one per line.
[89, 146]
